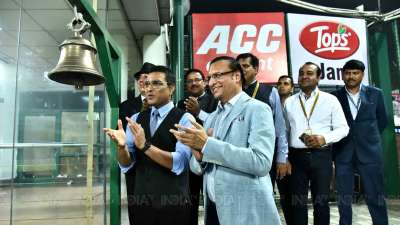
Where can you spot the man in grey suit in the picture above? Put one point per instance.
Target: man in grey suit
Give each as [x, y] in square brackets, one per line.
[234, 151]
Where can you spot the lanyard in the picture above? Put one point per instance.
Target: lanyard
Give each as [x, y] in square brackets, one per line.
[352, 101]
[255, 90]
[312, 109]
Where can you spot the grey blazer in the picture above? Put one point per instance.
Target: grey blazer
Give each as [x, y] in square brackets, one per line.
[243, 156]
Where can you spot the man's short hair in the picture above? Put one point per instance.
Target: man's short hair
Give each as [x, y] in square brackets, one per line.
[314, 64]
[354, 64]
[233, 65]
[194, 71]
[288, 77]
[253, 59]
[169, 75]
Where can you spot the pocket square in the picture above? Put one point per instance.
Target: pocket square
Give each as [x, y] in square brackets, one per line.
[240, 118]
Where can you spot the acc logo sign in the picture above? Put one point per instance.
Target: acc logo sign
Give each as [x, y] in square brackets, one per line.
[219, 39]
[329, 40]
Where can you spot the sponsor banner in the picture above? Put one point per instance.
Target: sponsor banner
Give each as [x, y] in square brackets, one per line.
[328, 42]
[262, 34]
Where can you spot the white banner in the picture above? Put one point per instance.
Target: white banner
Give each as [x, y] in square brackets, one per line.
[327, 41]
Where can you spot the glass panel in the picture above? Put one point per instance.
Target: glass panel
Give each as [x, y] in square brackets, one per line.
[73, 159]
[51, 135]
[38, 161]
[9, 25]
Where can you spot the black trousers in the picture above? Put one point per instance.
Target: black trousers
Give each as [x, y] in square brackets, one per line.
[311, 168]
[285, 193]
[195, 184]
[130, 183]
[167, 215]
[212, 216]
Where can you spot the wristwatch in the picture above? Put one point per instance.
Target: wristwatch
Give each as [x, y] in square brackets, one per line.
[146, 146]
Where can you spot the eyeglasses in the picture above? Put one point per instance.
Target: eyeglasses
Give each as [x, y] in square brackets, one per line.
[196, 80]
[218, 76]
[154, 84]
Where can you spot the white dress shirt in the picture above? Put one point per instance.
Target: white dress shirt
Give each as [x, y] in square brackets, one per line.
[202, 114]
[327, 118]
[354, 102]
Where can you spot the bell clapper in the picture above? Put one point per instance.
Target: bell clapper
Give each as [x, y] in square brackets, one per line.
[78, 85]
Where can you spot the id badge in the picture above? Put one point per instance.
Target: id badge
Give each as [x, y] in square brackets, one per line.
[308, 131]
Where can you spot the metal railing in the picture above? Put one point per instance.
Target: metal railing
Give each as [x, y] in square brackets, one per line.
[42, 145]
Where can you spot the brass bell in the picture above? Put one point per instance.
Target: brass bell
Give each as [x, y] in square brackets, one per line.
[77, 63]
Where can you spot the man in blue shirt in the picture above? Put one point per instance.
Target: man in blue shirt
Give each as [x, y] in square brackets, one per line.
[161, 189]
[269, 95]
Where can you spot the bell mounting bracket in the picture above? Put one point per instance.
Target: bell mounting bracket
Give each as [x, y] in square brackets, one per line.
[78, 25]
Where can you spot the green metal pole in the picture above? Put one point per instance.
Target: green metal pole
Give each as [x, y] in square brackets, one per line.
[396, 46]
[177, 48]
[190, 40]
[110, 62]
[380, 70]
[115, 177]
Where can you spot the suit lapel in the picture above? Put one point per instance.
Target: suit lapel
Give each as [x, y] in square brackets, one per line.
[235, 111]
[210, 122]
[364, 100]
[345, 103]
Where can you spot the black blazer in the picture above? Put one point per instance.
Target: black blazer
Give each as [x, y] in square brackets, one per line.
[364, 138]
[207, 103]
[128, 108]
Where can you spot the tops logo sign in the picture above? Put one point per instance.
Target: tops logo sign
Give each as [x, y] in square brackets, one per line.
[329, 40]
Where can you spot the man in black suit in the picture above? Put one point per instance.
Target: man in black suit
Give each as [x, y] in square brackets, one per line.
[199, 103]
[134, 104]
[127, 109]
[361, 150]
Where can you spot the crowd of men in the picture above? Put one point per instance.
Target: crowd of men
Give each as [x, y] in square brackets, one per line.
[232, 138]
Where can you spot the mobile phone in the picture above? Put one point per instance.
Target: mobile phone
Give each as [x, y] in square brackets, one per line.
[302, 137]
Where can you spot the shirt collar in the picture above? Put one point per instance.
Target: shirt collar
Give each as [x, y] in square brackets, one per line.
[231, 102]
[204, 93]
[252, 84]
[235, 98]
[163, 110]
[313, 93]
[351, 94]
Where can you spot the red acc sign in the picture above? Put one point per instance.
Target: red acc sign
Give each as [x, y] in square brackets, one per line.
[329, 40]
[262, 34]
